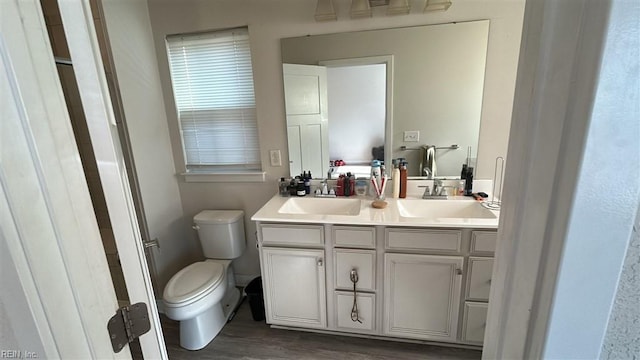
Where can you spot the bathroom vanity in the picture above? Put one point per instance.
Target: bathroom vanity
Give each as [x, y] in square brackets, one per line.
[421, 268]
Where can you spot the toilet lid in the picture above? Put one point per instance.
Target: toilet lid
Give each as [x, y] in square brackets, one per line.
[193, 281]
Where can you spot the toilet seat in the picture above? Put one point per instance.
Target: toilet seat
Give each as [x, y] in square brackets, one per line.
[193, 282]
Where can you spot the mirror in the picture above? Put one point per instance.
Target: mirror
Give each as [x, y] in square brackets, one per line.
[390, 93]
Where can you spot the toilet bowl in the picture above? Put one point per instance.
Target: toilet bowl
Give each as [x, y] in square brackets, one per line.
[203, 295]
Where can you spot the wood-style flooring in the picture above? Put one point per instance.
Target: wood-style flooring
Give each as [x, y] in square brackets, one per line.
[243, 338]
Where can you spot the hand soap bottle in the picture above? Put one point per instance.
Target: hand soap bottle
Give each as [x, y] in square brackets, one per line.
[395, 177]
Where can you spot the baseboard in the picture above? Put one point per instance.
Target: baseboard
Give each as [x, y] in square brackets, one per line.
[243, 280]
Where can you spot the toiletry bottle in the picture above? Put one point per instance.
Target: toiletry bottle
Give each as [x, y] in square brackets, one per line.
[395, 177]
[340, 185]
[468, 182]
[283, 187]
[460, 188]
[293, 187]
[307, 182]
[300, 191]
[347, 185]
[403, 180]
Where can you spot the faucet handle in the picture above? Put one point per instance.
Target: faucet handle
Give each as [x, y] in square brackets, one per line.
[427, 190]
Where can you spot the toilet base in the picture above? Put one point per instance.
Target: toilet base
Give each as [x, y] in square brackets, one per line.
[198, 332]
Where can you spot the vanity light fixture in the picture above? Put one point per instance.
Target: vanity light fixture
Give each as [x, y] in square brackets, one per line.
[437, 5]
[325, 11]
[360, 9]
[398, 7]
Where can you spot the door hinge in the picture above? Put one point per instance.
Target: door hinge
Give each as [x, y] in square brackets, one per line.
[128, 324]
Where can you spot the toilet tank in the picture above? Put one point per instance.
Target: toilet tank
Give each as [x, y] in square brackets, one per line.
[221, 233]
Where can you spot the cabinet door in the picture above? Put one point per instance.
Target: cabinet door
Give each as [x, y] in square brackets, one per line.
[422, 296]
[475, 322]
[294, 283]
[479, 281]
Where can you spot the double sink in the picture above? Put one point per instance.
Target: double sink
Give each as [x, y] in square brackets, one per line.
[406, 208]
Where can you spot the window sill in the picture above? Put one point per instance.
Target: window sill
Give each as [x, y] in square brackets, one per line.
[235, 177]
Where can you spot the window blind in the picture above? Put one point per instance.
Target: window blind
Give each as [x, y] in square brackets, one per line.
[212, 82]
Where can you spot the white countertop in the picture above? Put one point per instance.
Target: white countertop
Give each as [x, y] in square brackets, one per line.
[389, 216]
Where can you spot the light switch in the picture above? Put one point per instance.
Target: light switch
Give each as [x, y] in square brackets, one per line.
[412, 136]
[276, 159]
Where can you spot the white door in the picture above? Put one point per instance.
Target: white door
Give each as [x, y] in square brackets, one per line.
[48, 225]
[422, 296]
[295, 287]
[305, 90]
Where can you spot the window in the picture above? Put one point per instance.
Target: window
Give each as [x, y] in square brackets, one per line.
[213, 89]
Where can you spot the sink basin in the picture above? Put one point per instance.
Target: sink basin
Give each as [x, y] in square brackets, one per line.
[321, 206]
[443, 209]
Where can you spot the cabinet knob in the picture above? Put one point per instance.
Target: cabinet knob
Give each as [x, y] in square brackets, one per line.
[459, 271]
[320, 261]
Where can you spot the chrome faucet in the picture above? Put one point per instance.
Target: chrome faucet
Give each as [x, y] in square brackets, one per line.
[437, 192]
[325, 188]
[437, 188]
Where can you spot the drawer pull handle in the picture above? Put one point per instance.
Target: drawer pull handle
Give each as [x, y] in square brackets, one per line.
[355, 316]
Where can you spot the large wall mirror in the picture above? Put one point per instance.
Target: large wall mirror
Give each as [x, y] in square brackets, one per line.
[413, 93]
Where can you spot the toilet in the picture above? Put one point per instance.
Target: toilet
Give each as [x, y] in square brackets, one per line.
[203, 295]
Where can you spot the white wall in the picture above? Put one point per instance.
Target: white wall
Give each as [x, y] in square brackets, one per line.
[134, 56]
[268, 22]
[356, 97]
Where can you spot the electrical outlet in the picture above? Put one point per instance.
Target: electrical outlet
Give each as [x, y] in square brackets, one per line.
[412, 136]
[276, 159]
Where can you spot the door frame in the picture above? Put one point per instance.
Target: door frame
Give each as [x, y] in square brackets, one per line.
[84, 48]
[48, 224]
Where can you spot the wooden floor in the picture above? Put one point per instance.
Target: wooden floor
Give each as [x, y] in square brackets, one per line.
[243, 338]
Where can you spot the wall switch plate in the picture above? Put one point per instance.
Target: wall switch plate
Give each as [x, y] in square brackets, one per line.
[412, 136]
[276, 159]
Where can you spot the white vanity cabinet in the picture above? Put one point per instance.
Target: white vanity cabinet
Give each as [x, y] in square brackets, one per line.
[422, 291]
[293, 275]
[417, 283]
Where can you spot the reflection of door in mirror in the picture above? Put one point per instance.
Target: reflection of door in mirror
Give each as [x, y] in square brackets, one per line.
[305, 89]
[357, 94]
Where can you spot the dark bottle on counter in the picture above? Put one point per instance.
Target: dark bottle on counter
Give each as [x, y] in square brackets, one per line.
[300, 191]
[468, 181]
[293, 187]
[347, 185]
[307, 181]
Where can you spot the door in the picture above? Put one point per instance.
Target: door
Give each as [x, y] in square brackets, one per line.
[305, 92]
[48, 226]
[422, 296]
[295, 287]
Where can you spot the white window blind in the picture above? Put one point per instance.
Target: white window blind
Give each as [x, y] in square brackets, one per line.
[213, 89]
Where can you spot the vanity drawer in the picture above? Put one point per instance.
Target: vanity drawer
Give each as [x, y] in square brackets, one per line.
[417, 239]
[479, 280]
[474, 322]
[483, 242]
[366, 311]
[276, 234]
[363, 261]
[358, 237]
